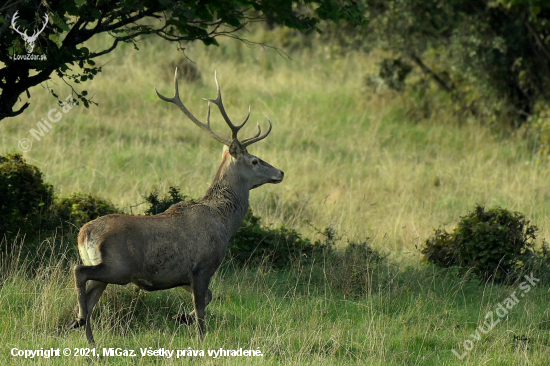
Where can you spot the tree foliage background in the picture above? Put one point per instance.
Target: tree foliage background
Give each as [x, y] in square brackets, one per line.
[492, 57]
[73, 22]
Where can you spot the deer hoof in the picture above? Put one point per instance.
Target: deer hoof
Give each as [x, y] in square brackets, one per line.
[77, 323]
[186, 319]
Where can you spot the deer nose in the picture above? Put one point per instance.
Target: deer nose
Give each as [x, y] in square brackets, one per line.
[282, 173]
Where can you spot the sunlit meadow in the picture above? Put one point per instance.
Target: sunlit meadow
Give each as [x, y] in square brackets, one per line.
[360, 160]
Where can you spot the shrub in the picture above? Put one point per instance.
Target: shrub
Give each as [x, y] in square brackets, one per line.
[496, 244]
[158, 205]
[29, 208]
[539, 122]
[279, 247]
[353, 270]
[25, 198]
[79, 208]
[394, 72]
[186, 68]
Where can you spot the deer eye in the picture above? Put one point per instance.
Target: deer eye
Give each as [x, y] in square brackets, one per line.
[255, 162]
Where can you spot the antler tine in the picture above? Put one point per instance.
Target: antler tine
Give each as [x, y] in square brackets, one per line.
[254, 139]
[176, 100]
[218, 101]
[246, 118]
[208, 116]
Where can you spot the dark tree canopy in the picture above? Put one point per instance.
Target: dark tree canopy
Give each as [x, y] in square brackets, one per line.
[496, 48]
[59, 47]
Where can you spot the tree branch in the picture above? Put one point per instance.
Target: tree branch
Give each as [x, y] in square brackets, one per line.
[8, 16]
[539, 41]
[433, 75]
[14, 113]
[11, 5]
[113, 46]
[138, 16]
[122, 22]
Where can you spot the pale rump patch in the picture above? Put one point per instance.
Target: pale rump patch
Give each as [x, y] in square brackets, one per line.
[89, 253]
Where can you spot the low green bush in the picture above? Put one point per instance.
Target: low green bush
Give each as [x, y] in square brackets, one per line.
[30, 209]
[25, 198]
[494, 244]
[354, 270]
[79, 208]
[158, 205]
[253, 244]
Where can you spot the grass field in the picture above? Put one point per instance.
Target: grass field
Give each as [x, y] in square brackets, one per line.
[360, 161]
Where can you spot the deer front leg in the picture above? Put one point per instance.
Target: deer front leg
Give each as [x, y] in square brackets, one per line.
[189, 319]
[199, 300]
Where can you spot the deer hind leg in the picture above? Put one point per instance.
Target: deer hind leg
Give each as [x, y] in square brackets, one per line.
[98, 273]
[94, 290]
[189, 319]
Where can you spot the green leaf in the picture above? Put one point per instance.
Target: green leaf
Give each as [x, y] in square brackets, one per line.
[95, 13]
[60, 23]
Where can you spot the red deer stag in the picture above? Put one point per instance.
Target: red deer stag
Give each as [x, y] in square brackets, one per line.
[182, 246]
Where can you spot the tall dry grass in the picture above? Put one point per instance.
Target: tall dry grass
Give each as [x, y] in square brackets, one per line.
[354, 159]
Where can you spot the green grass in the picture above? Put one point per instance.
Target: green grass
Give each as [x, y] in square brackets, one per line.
[409, 315]
[354, 159]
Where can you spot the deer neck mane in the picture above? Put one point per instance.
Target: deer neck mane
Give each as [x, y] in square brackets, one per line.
[228, 195]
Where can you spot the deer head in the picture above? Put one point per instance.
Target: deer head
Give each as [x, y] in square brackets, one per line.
[251, 171]
[29, 40]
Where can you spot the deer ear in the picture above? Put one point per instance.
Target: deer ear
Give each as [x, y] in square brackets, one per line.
[236, 149]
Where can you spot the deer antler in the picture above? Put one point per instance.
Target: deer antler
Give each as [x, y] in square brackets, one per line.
[219, 103]
[255, 138]
[176, 100]
[206, 126]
